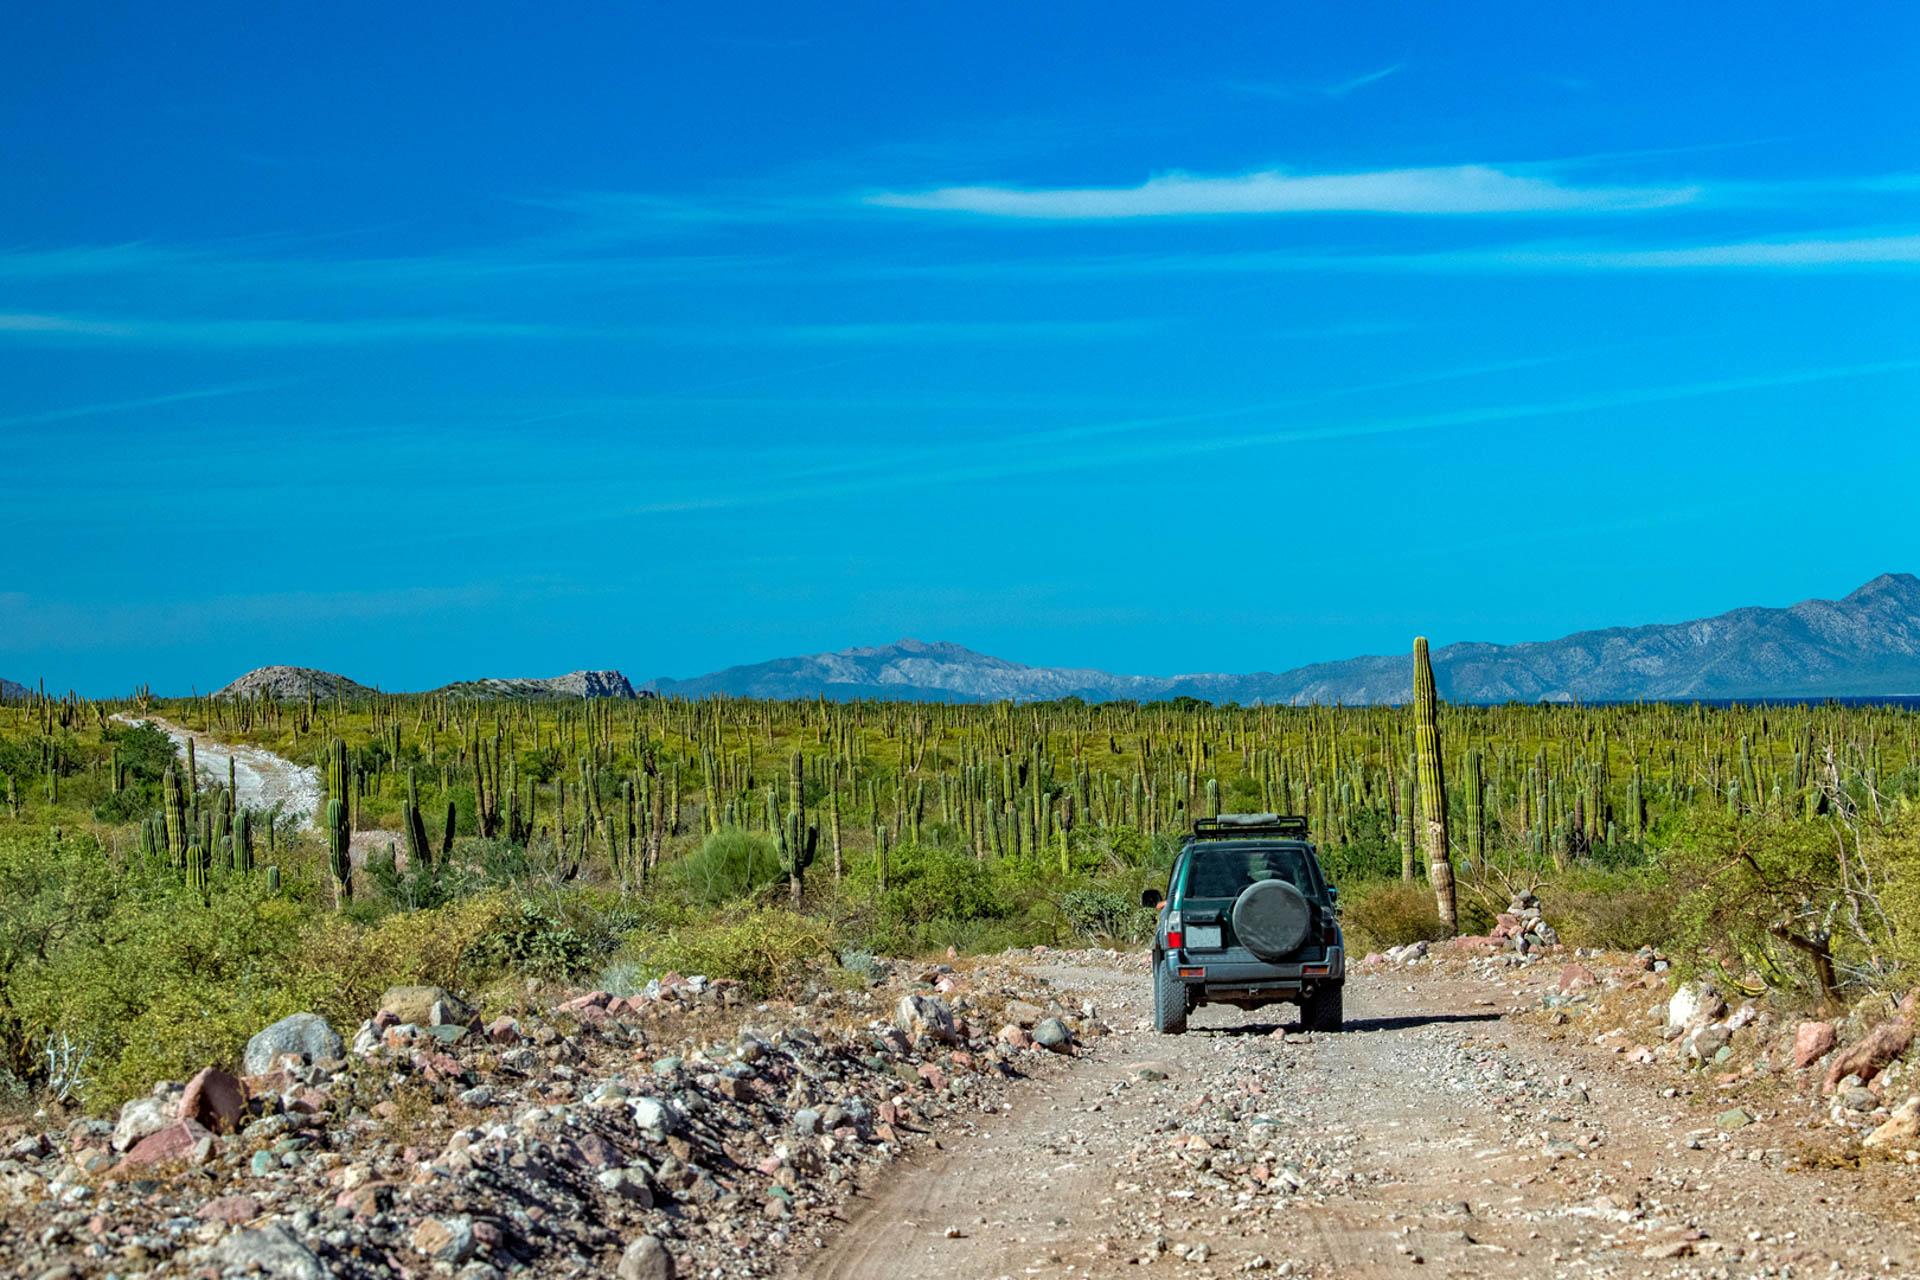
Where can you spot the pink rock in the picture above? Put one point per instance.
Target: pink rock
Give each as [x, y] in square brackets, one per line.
[1812, 1042]
[1577, 977]
[591, 1000]
[963, 1061]
[367, 1200]
[1015, 1037]
[385, 1018]
[440, 1066]
[1868, 1056]
[936, 1078]
[215, 1099]
[231, 1210]
[187, 1141]
[597, 1151]
[503, 1031]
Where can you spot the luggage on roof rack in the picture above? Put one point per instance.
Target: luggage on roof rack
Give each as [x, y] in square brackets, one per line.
[1241, 826]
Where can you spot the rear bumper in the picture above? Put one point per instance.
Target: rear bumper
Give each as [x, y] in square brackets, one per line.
[1230, 978]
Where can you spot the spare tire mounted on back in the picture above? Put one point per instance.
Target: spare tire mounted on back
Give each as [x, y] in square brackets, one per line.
[1271, 919]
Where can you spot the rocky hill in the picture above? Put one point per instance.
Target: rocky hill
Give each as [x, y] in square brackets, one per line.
[11, 691]
[575, 684]
[1867, 643]
[297, 682]
[292, 682]
[909, 669]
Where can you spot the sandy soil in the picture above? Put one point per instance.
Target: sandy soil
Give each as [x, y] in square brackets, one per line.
[262, 779]
[1440, 1134]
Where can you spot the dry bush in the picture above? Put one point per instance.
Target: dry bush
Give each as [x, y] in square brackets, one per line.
[1389, 913]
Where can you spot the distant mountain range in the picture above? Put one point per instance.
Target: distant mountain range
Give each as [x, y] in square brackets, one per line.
[1865, 644]
[298, 682]
[12, 692]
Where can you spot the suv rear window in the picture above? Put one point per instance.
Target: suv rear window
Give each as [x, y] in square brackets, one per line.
[1222, 871]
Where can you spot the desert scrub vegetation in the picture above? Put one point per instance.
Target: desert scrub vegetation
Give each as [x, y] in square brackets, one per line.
[152, 921]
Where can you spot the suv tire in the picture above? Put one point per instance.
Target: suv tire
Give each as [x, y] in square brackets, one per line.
[1271, 919]
[1325, 1010]
[1169, 1001]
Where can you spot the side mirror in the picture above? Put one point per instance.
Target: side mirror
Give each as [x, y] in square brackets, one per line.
[1150, 898]
[1333, 893]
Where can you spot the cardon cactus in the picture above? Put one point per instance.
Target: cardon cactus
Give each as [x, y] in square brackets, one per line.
[198, 858]
[243, 843]
[339, 858]
[419, 852]
[798, 841]
[1433, 783]
[176, 807]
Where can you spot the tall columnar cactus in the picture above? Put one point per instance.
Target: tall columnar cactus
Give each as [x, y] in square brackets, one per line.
[1409, 840]
[1433, 784]
[340, 779]
[198, 858]
[339, 855]
[175, 799]
[798, 841]
[243, 843]
[419, 852]
[1476, 798]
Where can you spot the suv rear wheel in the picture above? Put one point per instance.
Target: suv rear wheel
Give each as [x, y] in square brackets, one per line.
[1169, 1000]
[1325, 1009]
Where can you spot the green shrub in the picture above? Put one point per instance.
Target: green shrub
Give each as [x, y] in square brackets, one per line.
[1106, 913]
[763, 948]
[729, 865]
[1378, 914]
[1892, 856]
[538, 939]
[1620, 911]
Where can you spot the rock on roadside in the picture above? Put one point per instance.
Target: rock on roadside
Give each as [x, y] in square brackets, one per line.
[304, 1034]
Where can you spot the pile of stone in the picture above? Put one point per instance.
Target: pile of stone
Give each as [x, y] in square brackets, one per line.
[1522, 927]
[609, 1133]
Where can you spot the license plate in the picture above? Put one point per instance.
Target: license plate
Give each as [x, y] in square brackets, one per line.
[1203, 937]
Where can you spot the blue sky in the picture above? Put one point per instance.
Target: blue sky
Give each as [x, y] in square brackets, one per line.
[421, 343]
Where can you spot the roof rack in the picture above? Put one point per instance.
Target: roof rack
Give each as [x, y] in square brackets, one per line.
[1240, 826]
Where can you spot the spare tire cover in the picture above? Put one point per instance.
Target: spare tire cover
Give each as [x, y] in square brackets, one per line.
[1271, 919]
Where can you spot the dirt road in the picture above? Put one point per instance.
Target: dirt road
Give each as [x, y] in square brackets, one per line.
[262, 780]
[1438, 1135]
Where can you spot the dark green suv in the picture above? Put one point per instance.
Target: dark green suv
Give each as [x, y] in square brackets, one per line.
[1249, 920]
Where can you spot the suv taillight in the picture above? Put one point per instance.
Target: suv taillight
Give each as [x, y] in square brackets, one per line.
[1176, 933]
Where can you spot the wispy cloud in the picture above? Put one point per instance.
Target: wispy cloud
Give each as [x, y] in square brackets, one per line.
[29, 322]
[267, 332]
[912, 471]
[1336, 89]
[128, 406]
[1779, 254]
[1455, 189]
[1830, 252]
[240, 333]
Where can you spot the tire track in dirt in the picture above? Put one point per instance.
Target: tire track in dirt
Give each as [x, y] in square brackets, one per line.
[262, 780]
[1437, 1135]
